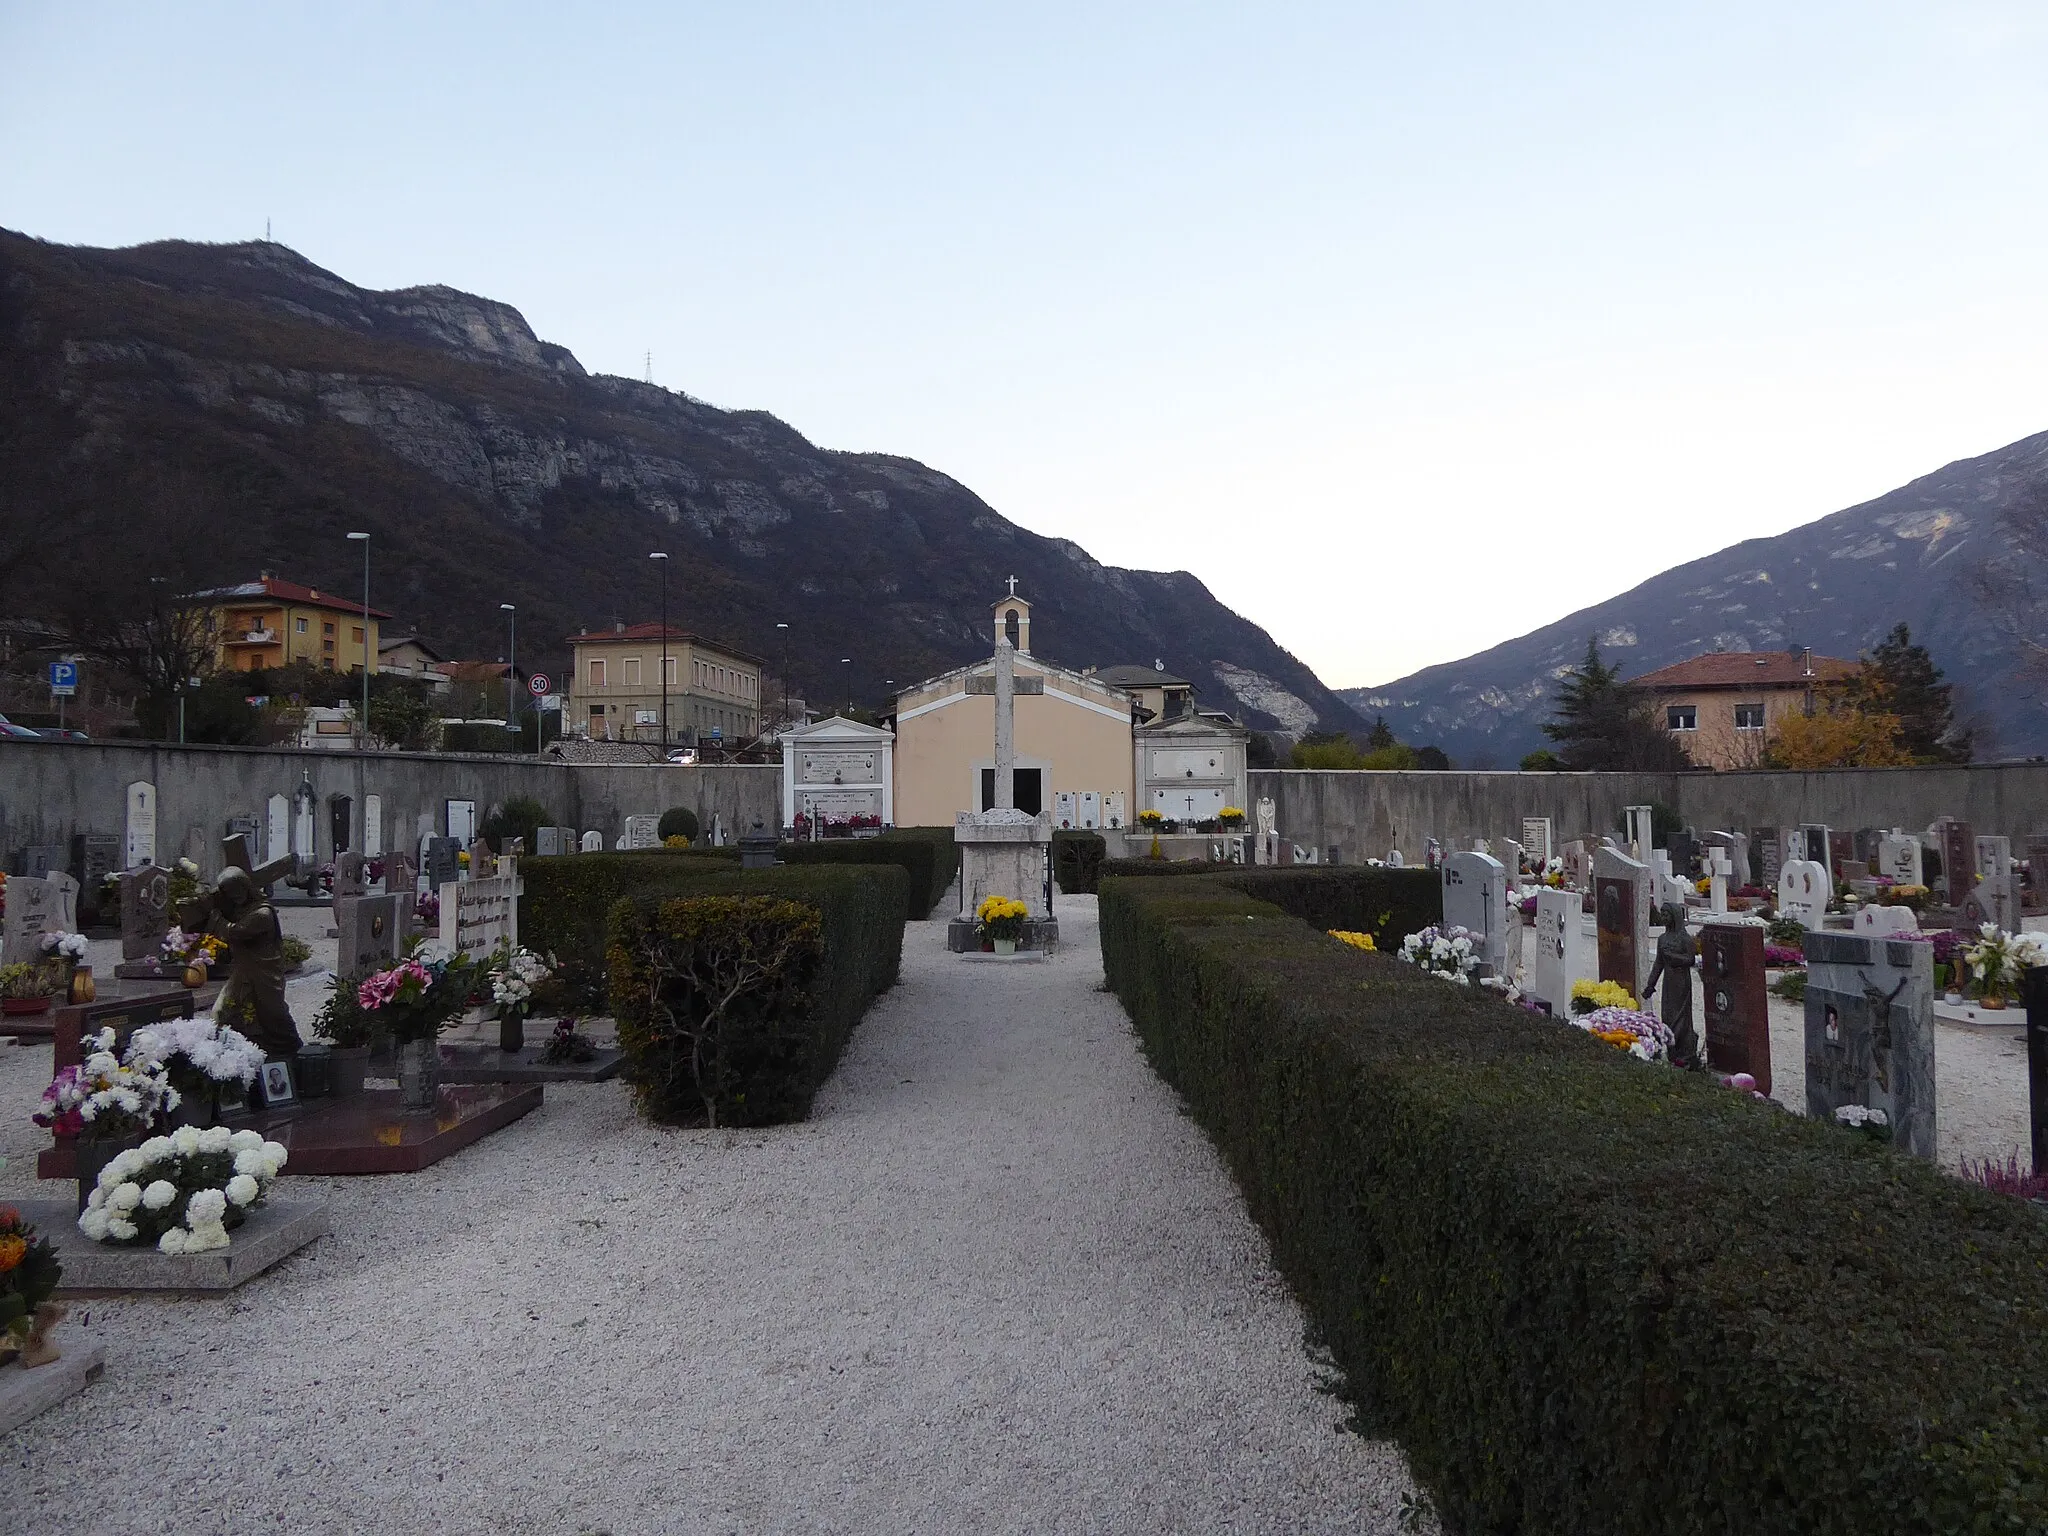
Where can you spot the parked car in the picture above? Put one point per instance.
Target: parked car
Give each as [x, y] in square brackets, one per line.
[53, 733]
[9, 728]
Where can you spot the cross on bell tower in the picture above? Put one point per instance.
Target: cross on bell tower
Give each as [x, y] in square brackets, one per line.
[1013, 620]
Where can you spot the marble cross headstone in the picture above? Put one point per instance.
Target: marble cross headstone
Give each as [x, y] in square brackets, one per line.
[1475, 896]
[140, 848]
[1870, 1032]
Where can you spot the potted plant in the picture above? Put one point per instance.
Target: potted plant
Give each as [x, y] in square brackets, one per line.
[68, 952]
[1151, 820]
[108, 1104]
[353, 1031]
[513, 979]
[206, 1061]
[181, 1193]
[29, 1272]
[1002, 922]
[27, 986]
[1232, 818]
[414, 1000]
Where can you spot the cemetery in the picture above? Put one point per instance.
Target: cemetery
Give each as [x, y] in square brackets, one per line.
[1515, 1121]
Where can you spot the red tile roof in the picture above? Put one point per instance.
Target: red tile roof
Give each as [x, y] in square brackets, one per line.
[1744, 669]
[285, 592]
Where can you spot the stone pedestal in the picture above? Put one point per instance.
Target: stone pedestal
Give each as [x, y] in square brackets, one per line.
[1003, 853]
[25, 1393]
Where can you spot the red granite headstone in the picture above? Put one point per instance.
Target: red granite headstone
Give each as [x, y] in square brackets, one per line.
[1614, 908]
[1738, 1006]
[1958, 858]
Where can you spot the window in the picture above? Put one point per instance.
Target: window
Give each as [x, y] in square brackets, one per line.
[299, 625]
[632, 670]
[356, 633]
[1682, 717]
[669, 669]
[327, 629]
[596, 673]
[327, 662]
[1749, 717]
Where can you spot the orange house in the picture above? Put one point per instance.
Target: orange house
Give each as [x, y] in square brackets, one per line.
[272, 623]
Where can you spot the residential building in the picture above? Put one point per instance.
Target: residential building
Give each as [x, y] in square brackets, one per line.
[1158, 694]
[271, 622]
[1721, 707]
[410, 656]
[615, 687]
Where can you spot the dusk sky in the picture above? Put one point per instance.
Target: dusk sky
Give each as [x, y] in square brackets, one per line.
[1407, 329]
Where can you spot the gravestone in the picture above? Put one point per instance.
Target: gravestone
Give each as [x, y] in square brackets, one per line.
[593, 842]
[373, 826]
[480, 915]
[1432, 853]
[1840, 852]
[482, 862]
[277, 829]
[1875, 922]
[140, 846]
[95, 855]
[1736, 847]
[1684, 851]
[1556, 953]
[1738, 1004]
[401, 875]
[1803, 892]
[1578, 865]
[459, 821]
[1475, 894]
[643, 831]
[67, 899]
[1719, 869]
[350, 878]
[1621, 912]
[369, 933]
[1957, 844]
[1536, 839]
[38, 859]
[1091, 810]
[1811, 843]
[245, 827]
[1993, 901]
[1870, 1032]
[2034, 991]
[303, 849]
[341, 817]
[33, 909]
[2037, 868]
[1113, 810]
[1640, 836]
[1898, 857]
[1767, 856]
[1066, 810]
[1865, 846]
[443, 867]
[550, 840]
[145, 912]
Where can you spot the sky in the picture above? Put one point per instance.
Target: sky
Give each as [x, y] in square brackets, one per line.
[1406, 328]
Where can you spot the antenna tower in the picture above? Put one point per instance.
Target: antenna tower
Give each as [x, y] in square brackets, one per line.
[650, 367]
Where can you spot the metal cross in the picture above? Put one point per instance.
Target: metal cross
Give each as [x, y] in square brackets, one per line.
[1013, 586]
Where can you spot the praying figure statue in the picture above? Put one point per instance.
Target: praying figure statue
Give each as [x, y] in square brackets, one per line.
[1675, 958]
[253, 999]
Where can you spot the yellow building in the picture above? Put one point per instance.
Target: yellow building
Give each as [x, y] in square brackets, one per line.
[1073, 735]
[272, 623]
[615, 687]
[1721, 707]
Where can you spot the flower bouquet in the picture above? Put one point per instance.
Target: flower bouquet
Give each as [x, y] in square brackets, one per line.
[1779, 957]
[28, 1278]
[1873, 1124]
[181, 1191]
[1643, 1035]
[1355, 940]
[1914, 896]
[202, 1057]
[1588, 996]
[67, 947]
[426, 909]
[413, 1001]
[1001, 922]
[513, 979]
[566, 1045]
[1150, 819]
[1999, 962]
[1231, 817]
[106, 1099]
[1451, 953]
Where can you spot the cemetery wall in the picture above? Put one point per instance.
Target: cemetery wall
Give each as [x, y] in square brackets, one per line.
[1364, 814]
[51, 791]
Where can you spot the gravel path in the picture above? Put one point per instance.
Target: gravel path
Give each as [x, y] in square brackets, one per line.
[997, 1283]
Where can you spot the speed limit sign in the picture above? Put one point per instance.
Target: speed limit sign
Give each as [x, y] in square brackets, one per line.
[537, 684]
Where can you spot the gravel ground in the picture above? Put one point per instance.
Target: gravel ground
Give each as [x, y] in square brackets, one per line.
[997, 1282]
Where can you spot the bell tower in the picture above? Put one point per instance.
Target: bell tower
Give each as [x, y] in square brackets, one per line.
[1013, 620]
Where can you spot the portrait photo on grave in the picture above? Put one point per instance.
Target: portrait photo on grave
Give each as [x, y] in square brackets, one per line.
[275, 1087]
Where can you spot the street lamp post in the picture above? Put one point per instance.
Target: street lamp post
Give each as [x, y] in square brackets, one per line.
[511, 666]
[662, 556]
[848, 660]
[363, 726]
[785, 674]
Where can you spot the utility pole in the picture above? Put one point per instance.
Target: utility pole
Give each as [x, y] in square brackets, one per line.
[362, 725]
[662, 556]
[511, 667]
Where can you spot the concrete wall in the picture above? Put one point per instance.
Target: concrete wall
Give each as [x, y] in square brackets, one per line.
[51, 790]
[1366, 814]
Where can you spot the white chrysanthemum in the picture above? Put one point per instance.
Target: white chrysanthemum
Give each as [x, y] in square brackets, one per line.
[274, 1150]
[243, 1190]
[161, 1192]
[209, 1234]
[127, 1196]
[214, 1139]
[207, 1205]
[94, 1224]
[96, 1199]
[153, 1150]
[245, 1141]
[172, 1242]
[186, 1140]
[120, 1230]
[250, 1160]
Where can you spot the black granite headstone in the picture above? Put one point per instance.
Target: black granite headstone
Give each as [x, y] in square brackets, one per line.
[2036, 994]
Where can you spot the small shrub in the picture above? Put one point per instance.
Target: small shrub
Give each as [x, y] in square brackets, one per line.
[677, 821]
[521, 818]
[1077, 860]
[569, 897]
[296, 951]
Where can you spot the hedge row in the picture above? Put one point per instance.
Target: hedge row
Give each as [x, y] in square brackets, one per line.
[1587, 1294]
[927, 855]
[568, 898]
[1077, 860]
[735, 999]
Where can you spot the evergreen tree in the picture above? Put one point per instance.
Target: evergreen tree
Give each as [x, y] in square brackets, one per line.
[1911, 688]
[1381, 736]
[1600, 723]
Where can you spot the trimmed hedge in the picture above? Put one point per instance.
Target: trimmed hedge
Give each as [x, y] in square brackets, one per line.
[1142, 868]
[918, 851]
[1587, 1294]
[1389, 904]
[735, 999]
[677, 821]
[1077, 860]
[568, 898]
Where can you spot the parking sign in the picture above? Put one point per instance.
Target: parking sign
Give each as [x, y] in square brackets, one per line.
[63, 679]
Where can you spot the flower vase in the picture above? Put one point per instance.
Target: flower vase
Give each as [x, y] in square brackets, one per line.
[419, 1073]
[348, 1065]
[1991, 1000]
[512, 1030]
[83, 988]
[1006, 946]
[195, 976]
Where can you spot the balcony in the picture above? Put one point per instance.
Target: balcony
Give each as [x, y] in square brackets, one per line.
[253, 637]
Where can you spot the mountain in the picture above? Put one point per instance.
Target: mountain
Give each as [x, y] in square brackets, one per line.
[1837, 585]
[195, 413]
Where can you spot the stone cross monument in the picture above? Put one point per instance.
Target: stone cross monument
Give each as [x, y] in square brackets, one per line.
[1004, 851]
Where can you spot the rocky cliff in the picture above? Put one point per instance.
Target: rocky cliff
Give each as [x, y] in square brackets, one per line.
[292, 406]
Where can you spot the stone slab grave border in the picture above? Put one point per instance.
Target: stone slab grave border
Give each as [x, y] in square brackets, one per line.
[1021, 957]
[26, 1393]
[273, 1232]
[486, 1063]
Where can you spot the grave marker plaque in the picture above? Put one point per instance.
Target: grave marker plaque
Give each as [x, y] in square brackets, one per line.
[1898, 857]
[643, 832]
[1767, 856]
[1536, 838]
[1870, 1032]
[1738, 1004]
[480, 916]
[140, 847]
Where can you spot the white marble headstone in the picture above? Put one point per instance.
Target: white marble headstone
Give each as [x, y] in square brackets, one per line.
[643, 832]
[32, 911]
[1557, 953]
[140, 845]
[593, 842]
[1475, 888]
[277, 828]
[1881, 922]
[1898, 857]
[373, 826]
[1803, 892]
